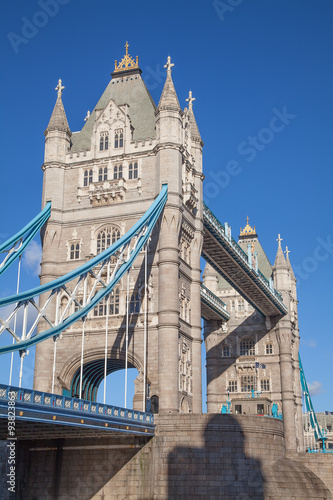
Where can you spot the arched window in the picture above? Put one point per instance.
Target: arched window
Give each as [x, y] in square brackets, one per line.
[121, 139]
[247, 347]
[76, 304]
[233, 306]
[154, 404]
[100, 175]
[133, 172]
[241, 305]
[135, 303]
[118, 172]
[269, 349]
[87, 177]
[116, 140]
[107, 237]
[105, 178]
[74, 251]
[101, 308]
[104, 141]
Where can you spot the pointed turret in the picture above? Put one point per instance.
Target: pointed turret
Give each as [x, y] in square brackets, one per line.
[58, 120]
[292, 278]
[195, 134]
[280, 270]
[57, 134]
[280, 261]
[169, 99]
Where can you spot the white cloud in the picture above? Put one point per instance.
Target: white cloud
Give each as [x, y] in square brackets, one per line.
[315, 387]
[32, 257]
[310, 343]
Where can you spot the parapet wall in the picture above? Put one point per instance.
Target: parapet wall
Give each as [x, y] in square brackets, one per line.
[210, 456]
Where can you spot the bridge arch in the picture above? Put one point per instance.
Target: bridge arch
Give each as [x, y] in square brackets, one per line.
[93, 371]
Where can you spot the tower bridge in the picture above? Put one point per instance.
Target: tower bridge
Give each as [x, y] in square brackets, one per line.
[123, 228]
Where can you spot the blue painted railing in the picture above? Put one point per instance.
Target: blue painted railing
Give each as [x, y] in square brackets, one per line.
[48, 400]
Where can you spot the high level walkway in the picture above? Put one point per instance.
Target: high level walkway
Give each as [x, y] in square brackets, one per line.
[211, 306]
[225, 255]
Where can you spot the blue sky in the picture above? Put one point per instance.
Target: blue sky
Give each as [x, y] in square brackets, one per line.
[246, 63]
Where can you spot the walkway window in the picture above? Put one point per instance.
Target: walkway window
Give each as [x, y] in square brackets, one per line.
[101, 308]
[87, 177]
[133, 171]
[75, 251]
[107, 237]
[248, 383]
[247, 347]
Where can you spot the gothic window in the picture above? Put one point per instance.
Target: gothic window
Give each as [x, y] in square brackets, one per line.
[233, 306]
[118, 138]
[87, 177]
[133, 171]
[247, 347]
[118, 172]
[264, 384]
[74, 251]
[101, 308]
[225, 351]
[104, 141]
[103, 174]
[269, 349]
[232, 386]
[248, 383]
[135, 303]
[107, 237]
[241, 306]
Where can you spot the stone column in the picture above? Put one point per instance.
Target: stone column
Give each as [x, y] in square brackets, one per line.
[212, 330]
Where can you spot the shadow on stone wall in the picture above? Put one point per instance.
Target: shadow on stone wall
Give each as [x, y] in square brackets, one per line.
[219, 468]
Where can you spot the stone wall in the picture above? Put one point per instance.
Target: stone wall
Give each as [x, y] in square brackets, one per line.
[191, 456]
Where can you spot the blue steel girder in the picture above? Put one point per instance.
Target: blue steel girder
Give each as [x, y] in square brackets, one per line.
[98, 270]
[227, 258]
[211, 306]
[15, 245]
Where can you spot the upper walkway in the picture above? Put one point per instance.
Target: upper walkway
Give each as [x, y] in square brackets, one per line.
[225, 255]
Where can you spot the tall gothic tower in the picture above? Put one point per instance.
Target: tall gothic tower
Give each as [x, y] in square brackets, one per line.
[250, 353]
[100, 181]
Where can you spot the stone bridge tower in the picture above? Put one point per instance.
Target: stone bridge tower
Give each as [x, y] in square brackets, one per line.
[250, 352]
[100, 181]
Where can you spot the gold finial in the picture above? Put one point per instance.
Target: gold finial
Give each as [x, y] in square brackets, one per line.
[127, 62]
[248, 230]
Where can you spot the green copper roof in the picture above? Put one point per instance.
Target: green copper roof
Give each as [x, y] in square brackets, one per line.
[127, 89]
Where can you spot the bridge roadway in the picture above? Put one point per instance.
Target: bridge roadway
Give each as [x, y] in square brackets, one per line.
[225, 255]
[39, 414]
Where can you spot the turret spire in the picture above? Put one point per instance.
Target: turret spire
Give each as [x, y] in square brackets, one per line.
[291, 272]
[169, 99]
[280, 261]
[58, 120]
